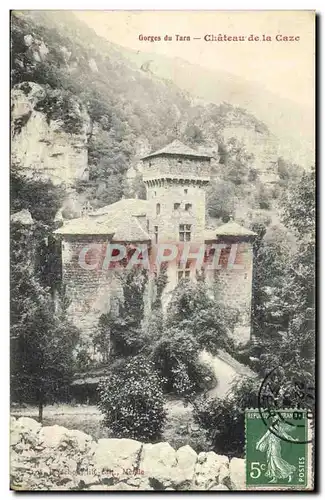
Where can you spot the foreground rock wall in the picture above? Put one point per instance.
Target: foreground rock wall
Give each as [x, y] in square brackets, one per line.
[56, 458]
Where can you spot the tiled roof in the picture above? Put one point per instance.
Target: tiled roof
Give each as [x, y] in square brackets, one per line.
[210, 234]
[177, 148]
[134, 205]
[119, 220]
[231, 228]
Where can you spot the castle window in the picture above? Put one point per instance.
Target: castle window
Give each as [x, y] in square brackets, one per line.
[224, 256]
[176, 206]
[180, 161]
[155, 230]
[155, 193]
[158, 208]
[185, 191]
[188, 206]
[184, 273]
[185, 232]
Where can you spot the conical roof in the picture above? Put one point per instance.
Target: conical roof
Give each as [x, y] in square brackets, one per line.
[177, 148]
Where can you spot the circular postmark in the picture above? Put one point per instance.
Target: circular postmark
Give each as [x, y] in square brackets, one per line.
[277, 394]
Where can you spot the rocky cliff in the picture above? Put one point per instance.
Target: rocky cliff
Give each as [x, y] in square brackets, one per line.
[83, 113]
[55, 458]
[42, 143]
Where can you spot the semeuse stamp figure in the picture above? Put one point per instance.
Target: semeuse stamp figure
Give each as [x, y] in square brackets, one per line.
[277, 449]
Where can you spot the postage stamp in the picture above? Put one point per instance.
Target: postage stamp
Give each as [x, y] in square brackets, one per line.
[277, 449]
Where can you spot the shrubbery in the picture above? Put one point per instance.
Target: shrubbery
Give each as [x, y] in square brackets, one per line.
[131, 400]
[224, 419]
[176, 357]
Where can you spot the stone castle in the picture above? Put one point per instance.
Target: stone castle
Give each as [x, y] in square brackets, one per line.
[174, 212]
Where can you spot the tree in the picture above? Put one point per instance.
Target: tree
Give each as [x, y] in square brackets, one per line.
[221, 199]
[197, 308]
[196, 320]
[176, 358]
[299, 214]
[288, 172]
[42, 339]
[284, 323]
[194, 134]
[121, 329]
[132, 401]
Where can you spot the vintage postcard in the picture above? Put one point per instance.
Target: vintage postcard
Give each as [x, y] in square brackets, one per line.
[162, 250]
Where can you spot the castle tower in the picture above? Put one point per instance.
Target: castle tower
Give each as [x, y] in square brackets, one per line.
[176, 177]
[234, 275]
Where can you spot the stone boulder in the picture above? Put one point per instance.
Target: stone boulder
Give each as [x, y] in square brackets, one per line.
[117, 455]
[208, 468]
[237, 474]
[56, 437]
[23, 217]
[183, 473]
[24, 430]
[52, 436]
[219, 487]
[56, 458]
[78, 440]
[157, 462]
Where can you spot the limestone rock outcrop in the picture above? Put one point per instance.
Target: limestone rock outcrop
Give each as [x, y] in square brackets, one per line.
[55, 458]
[50, 130]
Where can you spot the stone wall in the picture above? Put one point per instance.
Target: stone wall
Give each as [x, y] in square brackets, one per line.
[94, 291]
[161, 167]
[179, 181]
[235, 286]
[91, 292]
[191, 210]
[55, 458]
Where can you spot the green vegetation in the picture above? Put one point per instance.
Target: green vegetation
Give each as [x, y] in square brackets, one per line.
[151, 357]
[126, 117]
[132, 401]
[284, 286]
[42, 339]
[224, 419]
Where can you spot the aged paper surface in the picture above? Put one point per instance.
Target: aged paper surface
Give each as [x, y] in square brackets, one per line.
[162, 250]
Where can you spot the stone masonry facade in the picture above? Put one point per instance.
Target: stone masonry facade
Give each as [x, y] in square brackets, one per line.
[174, 213]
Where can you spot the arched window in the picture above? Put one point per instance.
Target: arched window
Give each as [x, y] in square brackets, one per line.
[158, 208]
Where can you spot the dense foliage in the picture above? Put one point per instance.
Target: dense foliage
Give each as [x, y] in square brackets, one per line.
[42, 338]
[224, 419]
[284, 287]
[176, 357]
[120, 330]
[131, 400]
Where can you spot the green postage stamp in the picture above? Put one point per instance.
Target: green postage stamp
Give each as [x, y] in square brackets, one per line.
[278, 449]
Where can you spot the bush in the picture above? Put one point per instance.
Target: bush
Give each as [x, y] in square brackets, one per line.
[176, 358]
[224, 419]
[131, 400]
